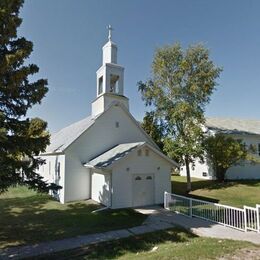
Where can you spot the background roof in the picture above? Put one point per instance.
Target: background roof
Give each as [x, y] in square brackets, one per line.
[234, 125]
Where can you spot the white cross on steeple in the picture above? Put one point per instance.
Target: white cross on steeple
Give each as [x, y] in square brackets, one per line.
[110, 29]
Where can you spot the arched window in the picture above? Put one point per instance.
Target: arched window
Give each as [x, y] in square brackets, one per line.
[49, 168]
[58, 170]
[100, 85]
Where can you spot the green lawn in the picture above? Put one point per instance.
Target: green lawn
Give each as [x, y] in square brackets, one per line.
[27, 217]
[168, 244]
[233, 193]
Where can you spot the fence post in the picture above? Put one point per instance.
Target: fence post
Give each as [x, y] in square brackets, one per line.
[245, 219]
[224, 217]
[258, 217]
[190, 206]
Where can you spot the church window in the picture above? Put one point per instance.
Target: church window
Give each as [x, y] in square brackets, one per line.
[138, 178]
[58, 170]
[146, 152]
[139, 152]
[149, 178]
[204, 174]
[49, 168]
[100, 85]
[114, 88]
[117, 124]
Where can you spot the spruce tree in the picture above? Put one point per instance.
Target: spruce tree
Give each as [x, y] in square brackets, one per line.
[21, 138]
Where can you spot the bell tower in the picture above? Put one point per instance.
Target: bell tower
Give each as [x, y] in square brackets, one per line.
[110, 79]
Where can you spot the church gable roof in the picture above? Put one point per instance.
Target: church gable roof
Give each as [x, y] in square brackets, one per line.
[66, 136]
[62, 139]
[119, 152]
[116, 153]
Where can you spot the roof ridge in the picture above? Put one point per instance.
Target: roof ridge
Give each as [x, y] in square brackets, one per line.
[248, 126]
[233, 118]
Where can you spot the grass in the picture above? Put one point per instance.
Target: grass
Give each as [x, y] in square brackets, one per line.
[233, 193]
[27, 217]
[174, 243]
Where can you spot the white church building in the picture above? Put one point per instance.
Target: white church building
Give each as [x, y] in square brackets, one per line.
[108, 157]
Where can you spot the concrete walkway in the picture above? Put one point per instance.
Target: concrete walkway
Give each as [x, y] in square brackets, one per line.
[197, 226]
[158, 219]
[21, 252]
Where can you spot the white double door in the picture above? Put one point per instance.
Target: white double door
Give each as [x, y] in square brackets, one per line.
[143, 189]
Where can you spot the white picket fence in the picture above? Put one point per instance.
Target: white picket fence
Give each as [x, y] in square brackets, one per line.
[247, 218]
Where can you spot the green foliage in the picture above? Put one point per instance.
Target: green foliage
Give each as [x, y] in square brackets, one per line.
[181, 85]
[20, 137]
[224, 151]
[153, 128]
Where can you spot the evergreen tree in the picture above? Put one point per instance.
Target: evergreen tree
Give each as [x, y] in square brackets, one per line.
[21, 138]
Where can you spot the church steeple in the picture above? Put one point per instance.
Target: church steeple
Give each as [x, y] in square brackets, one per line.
[110, 78]
[110, 49]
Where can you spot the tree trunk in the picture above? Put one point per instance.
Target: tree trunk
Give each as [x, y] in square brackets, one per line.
[221, 174]
[188, 174]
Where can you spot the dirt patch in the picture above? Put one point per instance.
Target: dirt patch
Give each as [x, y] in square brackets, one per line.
[245, 253]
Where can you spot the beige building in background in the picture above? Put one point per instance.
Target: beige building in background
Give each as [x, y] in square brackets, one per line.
[246, 130]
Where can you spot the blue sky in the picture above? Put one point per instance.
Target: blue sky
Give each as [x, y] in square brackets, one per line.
[68, 36]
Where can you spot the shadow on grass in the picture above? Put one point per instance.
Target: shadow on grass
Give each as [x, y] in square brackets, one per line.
[179, 186]
[117, 248]
[39, 218]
